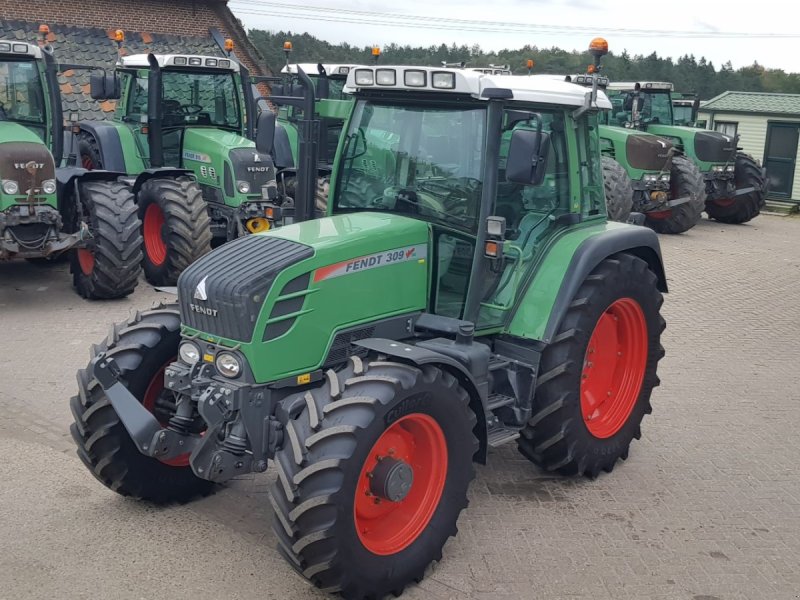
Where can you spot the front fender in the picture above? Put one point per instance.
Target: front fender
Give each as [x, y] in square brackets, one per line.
[160, 172]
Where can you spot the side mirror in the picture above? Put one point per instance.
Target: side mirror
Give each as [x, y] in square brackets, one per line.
[527, 157]
[104, 86]
[265, 132]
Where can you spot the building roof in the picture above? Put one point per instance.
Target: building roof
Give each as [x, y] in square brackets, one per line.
[96, 47]
[541, 89]
[755, 102]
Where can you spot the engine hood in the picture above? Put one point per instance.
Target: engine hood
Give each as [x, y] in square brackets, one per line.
[29, 163]
[283, 295]
[637, 151]
[705, 146]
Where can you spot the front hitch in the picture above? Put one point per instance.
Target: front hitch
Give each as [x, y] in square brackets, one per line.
[145, 430]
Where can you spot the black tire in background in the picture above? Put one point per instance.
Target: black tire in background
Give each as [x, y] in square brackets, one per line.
[618, 190]
[332, 437]
[141, 347]
[176, 227]
[747, 206]
[685, 180]
[110, 268]
[559, 437]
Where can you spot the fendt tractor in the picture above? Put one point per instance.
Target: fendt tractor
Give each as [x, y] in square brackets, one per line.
[661, 182]
[184, 128]
[47, 210]
[734, 181]
[373, 355]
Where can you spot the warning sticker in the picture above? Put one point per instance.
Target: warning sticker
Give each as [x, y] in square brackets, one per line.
[373, 261]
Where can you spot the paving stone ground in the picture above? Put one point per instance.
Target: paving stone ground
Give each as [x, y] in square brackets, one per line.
[706, 507]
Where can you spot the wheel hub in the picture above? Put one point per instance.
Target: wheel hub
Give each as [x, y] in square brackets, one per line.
[391, 480]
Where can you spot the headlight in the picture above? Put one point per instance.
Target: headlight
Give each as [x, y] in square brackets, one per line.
[10, 187]
[49, 186]
[444, 81]
[650, 177]
[364, 77]
[730, 168]
[189, 353]
[385, 77]
[414, 78]
[718, 168]
[243, 187]
[664, 177]
[228, 365]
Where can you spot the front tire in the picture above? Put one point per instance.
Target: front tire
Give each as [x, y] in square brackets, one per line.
[618, 190]
[598, 373]
[175, 225]
[142, 347]
[685, 180]
[111, 266]
[334, 520]
[747, 206]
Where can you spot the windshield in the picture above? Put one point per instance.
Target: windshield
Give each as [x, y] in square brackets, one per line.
[656, 107]
[191, 98]
[335, 87]
[21, 94]
[683, 114]
[421, 161]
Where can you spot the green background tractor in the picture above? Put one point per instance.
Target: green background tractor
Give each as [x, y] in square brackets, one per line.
[666, 186]
[458, 296]
[184, 128]
[734, 181]
[47, 210]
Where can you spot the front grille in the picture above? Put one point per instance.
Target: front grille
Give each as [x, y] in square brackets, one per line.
[255, 172]
[711, 146]
[236, 279]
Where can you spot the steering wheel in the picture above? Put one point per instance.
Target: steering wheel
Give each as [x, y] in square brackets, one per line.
[191, 109]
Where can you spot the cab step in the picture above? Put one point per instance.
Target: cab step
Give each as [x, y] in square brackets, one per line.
[501, 435]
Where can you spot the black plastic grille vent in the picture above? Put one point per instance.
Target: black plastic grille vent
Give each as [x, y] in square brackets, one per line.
[222, 293]
[342, 344]
[286, 307]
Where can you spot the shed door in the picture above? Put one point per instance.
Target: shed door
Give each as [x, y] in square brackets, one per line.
[780, 157]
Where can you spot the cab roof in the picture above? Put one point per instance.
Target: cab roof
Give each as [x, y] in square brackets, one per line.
[17, 48]
[541, 89]
[195, 61]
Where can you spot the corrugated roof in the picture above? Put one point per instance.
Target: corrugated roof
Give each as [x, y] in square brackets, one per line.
[756, 102]
[93, 46]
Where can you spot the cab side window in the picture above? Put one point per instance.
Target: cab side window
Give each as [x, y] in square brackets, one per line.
[524, 206]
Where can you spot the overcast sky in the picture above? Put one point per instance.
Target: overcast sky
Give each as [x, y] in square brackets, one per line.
[762, 17]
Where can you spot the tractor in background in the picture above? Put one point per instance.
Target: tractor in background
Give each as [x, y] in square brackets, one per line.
[184, 131]
[734, 181]
[465, 290]
[662, 183]
[48, 210]
[684, 109]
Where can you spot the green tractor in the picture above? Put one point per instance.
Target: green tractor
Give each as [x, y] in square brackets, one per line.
[650, 171]
[734, 181]
[465, 290]
[184, 130]
[685, 108]
[46, 210]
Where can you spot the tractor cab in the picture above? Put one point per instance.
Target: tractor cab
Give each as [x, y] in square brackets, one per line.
[685, 108]
[494, 70]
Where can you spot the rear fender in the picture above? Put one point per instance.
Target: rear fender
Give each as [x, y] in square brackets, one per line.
[637, 241]
[109, 144]
[409, 353]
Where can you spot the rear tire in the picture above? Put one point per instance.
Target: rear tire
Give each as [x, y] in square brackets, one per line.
[329, 529]
[176, 227]
[141, 347]
[618, 190]
[89, 152]
[110, 268]
[564, 436]
[747, 206]
[685, 180]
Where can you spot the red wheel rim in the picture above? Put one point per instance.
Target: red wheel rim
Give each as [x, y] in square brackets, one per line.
[659, 215]
[385, 527]
[151, 395]
[725, 202]
[86, 261]
[153, 242]
[613, 368]
[87, 162]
